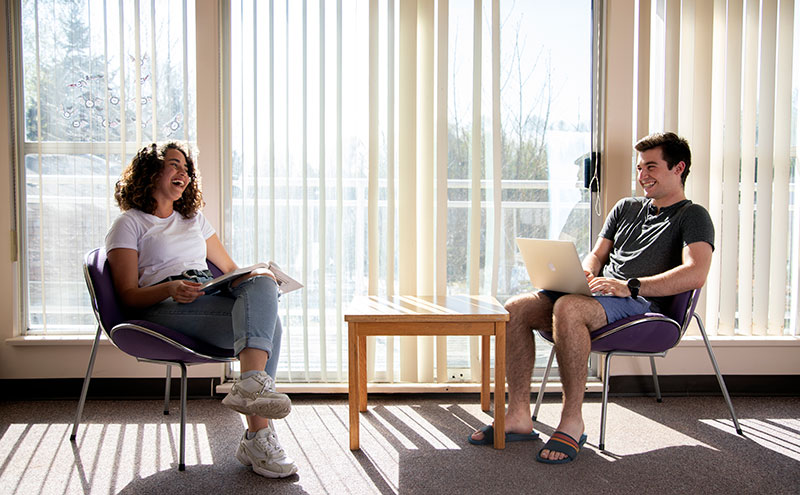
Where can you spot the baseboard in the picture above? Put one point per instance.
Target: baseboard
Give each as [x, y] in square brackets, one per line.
[104, 388]
[204, 388]
[684, 385]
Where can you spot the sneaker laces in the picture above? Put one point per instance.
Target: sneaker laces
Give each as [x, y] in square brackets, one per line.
[268, 385]
[264, 386]
[269, 442]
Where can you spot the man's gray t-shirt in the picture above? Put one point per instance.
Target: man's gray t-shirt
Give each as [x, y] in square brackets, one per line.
[648, 242]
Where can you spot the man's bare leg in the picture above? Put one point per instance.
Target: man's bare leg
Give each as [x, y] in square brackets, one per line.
[526, 311]
[574, 317]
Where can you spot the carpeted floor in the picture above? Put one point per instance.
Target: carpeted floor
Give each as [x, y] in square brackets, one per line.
[408, 445]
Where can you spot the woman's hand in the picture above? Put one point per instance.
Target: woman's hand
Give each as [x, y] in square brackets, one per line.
[184, 291]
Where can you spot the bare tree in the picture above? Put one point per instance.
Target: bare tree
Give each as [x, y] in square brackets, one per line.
[523, 140]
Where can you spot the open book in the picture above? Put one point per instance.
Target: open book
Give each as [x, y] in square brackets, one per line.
[286, 283]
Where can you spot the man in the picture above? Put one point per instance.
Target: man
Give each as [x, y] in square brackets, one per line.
[649, 248]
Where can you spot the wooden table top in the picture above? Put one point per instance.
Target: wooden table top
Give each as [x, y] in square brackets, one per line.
[425, 309]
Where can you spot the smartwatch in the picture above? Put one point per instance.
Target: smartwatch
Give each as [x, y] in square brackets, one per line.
[633, 286]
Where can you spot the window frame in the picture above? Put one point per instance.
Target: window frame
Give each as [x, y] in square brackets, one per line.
[125, 148]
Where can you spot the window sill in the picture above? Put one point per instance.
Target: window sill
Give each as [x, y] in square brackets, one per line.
[401, 388]
[55, 340]
[688, 341]
[741, 341]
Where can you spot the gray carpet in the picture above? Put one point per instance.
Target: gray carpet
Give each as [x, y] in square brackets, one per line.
[409, 445]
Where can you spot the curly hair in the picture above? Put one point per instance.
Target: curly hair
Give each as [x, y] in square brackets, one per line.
[674, 149]
[135, 187]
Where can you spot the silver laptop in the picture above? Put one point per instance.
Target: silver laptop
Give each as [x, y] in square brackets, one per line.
[554, 265]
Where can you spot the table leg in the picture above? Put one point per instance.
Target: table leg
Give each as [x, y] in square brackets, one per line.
[353, 395]
[362, 373]
[485, 400]
[499, 385]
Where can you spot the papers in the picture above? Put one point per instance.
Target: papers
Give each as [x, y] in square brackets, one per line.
[286, 283]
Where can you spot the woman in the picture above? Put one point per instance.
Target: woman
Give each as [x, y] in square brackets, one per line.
[157, 249]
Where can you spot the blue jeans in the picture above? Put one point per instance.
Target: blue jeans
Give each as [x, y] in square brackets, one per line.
[245, 316]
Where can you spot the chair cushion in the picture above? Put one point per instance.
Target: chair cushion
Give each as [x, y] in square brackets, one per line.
[647, 336]
[643, 336]
[141, 344]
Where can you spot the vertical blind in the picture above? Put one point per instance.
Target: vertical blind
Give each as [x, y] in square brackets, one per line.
[727, 85]
[379, 146]
[398, 147]
[98, 79]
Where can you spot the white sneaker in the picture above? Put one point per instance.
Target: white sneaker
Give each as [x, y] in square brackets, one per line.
[265, 454]
[256, 396]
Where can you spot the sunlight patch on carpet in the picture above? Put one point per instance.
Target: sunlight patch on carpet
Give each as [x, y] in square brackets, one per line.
[622, 424]
[780, 435]
[105, 457]
[422, 427]
[404, 441]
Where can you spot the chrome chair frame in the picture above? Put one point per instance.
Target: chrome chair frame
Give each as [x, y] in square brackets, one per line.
[192, 354]
[687, 317]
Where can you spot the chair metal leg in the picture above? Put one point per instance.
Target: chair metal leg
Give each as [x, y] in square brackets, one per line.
[606, 376]
[181, 462]
[544, 383]
[655, 378]
[719, 375]
[85, 388]
[166, 390]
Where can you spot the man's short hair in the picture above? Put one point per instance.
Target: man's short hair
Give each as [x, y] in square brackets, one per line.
[674, 149]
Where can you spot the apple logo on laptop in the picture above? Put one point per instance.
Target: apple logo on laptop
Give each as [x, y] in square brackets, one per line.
[551, 266]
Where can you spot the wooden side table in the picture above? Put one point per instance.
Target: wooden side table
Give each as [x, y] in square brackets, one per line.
[427, 315]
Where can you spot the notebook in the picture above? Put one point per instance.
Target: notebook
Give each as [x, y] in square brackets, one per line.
[554, 265]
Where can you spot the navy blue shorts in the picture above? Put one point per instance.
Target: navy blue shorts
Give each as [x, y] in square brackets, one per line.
[616, 308]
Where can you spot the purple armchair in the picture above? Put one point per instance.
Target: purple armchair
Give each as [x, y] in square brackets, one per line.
[649, 334]
[144, 340]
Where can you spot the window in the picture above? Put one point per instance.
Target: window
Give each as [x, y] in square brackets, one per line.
[335, 189]
[97, 83]
[545, 111]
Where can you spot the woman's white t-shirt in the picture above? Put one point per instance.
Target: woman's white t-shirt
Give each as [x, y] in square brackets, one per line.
[166, 246]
